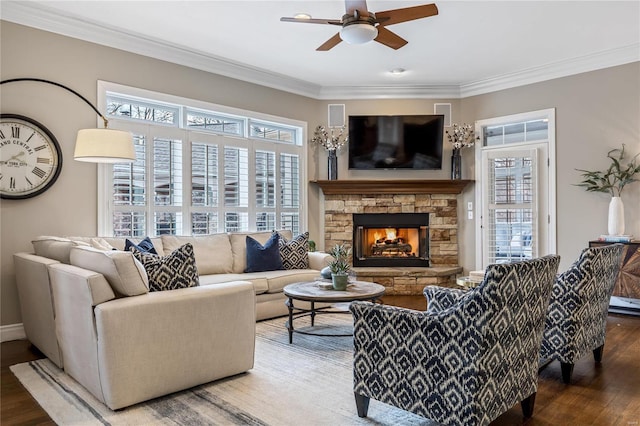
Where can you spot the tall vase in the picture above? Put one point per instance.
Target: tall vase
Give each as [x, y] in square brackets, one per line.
[616, 216]
[456, 165]
[332, 163]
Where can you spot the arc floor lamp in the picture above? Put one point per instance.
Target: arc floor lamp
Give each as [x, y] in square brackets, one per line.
[95, 145]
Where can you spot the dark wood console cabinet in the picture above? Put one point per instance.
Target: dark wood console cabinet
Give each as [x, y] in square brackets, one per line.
[626, 293]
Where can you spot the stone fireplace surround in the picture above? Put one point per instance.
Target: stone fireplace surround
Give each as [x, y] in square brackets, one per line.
[343, 198]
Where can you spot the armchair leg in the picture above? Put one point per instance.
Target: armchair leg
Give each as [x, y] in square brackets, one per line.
[362, 404]
[567, 370]
[527, 405]
[597, 353]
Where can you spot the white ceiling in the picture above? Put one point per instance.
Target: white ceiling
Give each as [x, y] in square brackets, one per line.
[471, 47]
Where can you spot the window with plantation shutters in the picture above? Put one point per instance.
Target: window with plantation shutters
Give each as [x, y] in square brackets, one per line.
[129, 194]
[167, 186]
[236, 181]
[265, 179]
[204, 175]
[515, 189]
[265, 188]
[511, 230]
[199, 170]
[289, 181]
[204, 188]
[290, 191]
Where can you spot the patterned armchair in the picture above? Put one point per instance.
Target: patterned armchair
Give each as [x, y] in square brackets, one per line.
[577, 317]
[470, 357]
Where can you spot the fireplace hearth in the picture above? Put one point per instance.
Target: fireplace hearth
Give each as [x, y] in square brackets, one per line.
[391, 240]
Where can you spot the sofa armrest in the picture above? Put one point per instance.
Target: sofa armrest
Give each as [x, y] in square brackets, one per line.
[36, 303]
[75, 292]
[319, 260]
[132, 349]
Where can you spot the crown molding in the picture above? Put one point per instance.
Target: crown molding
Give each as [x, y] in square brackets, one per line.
[390, 92]
[572, 66]
[39, 16]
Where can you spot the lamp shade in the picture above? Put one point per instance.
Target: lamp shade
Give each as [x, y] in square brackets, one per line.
[358, 33]
[104, 146]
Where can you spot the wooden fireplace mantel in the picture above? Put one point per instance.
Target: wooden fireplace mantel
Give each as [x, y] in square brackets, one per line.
[422, 186]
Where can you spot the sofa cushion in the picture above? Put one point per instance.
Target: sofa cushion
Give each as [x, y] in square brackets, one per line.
[239, 246]
[56, 248]
[171, 272]
[212, 252]
[294, 253]
[277, 280]
[119, 242]
[125, 275]
[263, 257]
[101, 244]
[115, 242]
[144, 246]
[258, 280]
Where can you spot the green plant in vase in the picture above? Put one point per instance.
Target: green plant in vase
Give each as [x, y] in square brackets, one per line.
[615, 178]
[340, 266]
[612, 181]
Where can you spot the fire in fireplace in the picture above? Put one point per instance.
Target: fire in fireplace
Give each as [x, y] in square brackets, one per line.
[391, 239]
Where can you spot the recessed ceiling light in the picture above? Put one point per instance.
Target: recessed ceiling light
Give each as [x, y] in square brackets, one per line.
[302, 16]
[397, 71]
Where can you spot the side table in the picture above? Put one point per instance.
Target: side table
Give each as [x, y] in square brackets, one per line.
[626, 293]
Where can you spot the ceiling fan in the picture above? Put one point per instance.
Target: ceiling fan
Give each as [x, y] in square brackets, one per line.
[360, 26]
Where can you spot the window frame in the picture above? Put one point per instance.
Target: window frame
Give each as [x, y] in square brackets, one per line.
[106, 208]
[546, 191]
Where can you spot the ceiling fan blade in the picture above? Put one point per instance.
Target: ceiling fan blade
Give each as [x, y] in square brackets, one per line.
[359, 5]
[311, 21]
[396, 16]
[389, 38]
[332, 42]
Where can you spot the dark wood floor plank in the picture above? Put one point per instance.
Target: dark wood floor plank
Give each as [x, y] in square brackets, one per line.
[18, 406]
[606, 394]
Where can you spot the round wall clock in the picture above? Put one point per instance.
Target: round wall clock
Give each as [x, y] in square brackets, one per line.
[30, 157]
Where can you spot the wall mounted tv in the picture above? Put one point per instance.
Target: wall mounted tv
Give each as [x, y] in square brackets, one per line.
[395, 142]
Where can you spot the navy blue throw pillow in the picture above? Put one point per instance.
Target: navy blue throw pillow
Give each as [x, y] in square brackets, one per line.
[144, 246]
[263, 257]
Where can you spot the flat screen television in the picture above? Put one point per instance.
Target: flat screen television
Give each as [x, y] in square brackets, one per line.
[395, 142]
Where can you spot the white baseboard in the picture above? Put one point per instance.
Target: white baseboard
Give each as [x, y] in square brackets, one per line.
[12, 332]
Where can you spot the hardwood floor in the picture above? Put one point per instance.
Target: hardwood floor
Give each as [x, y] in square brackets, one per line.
[17, 407]
[603, 395]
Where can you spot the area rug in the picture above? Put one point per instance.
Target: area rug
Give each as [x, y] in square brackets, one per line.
[309, 382]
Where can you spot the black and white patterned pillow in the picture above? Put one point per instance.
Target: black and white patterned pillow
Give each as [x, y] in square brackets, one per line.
[294, 253]
[171, 272]
[144, 246]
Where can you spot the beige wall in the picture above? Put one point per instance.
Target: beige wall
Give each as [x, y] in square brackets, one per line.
[69, 207]
[595, 112]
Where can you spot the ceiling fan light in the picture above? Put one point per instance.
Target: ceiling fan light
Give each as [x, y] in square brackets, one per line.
[358, 33]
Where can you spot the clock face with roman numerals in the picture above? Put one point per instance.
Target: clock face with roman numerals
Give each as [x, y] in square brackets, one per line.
[30, 157]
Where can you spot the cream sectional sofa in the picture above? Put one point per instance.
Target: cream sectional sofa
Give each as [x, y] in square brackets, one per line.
[87, 310]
